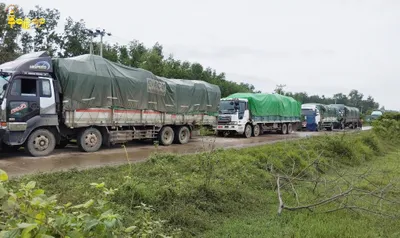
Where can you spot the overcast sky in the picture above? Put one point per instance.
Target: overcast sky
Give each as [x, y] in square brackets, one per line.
[318, 46]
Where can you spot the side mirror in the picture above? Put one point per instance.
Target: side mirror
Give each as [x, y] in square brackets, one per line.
[5, 87]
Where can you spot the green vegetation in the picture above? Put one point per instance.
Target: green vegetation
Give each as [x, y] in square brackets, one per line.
[234, 192]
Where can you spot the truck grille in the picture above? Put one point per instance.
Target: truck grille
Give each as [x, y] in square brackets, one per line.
[224, 119]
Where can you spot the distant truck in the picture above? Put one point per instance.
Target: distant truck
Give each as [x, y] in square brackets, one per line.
[48, 102]
[312, 115]
[319, 116]
[376, 114]
[251, 114]
[347, 117]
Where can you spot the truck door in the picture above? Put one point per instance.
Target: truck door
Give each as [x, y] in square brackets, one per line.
[47, 97]
[23, 99]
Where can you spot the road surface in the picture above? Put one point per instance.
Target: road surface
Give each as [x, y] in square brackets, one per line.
[19, 163]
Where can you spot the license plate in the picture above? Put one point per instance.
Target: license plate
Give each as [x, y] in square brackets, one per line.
[220, 126]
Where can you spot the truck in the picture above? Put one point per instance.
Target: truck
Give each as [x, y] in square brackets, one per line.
[347, 117]
[312, 115]
[319, 116]
[252, 114]
[46, 103]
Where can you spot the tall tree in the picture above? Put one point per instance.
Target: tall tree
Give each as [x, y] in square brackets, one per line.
[136, 52]
[45, 37]
[75, 40]
[9, 49]
[26, 42]
[279, 89]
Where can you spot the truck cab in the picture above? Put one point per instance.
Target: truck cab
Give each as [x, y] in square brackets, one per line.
[312, 117]
[29, 102]
[233, 116]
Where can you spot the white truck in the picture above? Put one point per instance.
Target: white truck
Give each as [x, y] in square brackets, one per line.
[48, 102]
[252, 114]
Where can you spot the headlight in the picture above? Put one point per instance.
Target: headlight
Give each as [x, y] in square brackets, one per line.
[234, 122]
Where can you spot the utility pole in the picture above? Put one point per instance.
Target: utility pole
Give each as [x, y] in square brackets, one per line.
[102, 34]
[92, 34]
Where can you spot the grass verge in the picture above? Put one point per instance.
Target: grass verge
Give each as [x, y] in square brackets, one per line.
[232, 192]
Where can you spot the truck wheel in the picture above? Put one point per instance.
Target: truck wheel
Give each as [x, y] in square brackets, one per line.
[284, 129]
[90, 140]
[256, 130]
[166, 136]
[40, 143]
[182, 135]
[289, 128]
[247, 131]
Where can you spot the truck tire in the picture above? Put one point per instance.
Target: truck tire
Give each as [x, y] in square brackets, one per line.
[256, 130]
[166, 136]
[284, 129]
[40, 143]
[289, 128]
[90, 140]
[182, 135]
[247, 131]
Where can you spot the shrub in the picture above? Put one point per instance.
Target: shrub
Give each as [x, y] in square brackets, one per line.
[28, 212]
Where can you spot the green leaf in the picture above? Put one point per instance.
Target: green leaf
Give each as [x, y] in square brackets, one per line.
[31, 185]
[110, 223]
[40, 217]
[3, 191]
[38, 192]
[130, 229]
[10, 234]
[101, 185]
[3, 176]
[90, 224]
[88, 203]
[25, 225]
[26, 233]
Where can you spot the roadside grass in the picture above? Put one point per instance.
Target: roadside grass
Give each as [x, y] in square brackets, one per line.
[232, 192]
[267, 223]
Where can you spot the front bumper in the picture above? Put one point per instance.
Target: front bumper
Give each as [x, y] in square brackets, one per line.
[237, 128]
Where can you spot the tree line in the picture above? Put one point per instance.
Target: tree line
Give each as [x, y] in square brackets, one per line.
[75, 40]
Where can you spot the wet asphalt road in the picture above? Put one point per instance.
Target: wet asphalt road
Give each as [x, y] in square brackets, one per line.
[18, 163]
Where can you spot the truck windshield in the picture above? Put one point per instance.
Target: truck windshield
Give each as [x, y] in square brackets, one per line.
[226, 107]
[3, 81]
[307, 112]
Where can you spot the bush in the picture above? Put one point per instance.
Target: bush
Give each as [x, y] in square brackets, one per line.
[29, 212]
[387, 129]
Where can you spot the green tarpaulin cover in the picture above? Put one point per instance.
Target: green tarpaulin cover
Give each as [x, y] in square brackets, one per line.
[349, 112]
[325, 110]
[261, 104]
[89, 81]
